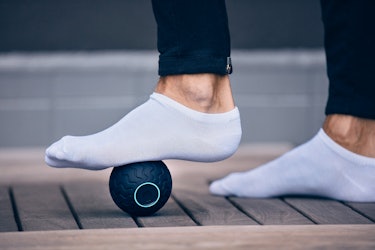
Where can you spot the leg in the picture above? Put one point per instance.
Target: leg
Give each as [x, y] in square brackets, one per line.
[191, 106]
[350, 51]
[339, 162]
[194, 46]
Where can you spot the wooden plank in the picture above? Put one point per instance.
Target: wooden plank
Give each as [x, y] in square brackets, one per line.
[367, 209]
[271, 211]
[28, 167]
[207, 209]
[214, 237]
[324, 211]
[43, 207]
[171, 215]
[94, 206]
[7, 219]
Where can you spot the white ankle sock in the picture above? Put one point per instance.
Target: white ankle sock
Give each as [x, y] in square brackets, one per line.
[159, 129]
[320, 167]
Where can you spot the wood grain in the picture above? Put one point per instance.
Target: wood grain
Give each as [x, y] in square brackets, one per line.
[324, 211]
[94, 207]
[43, 207]
[367, 209]
[271, 211]
[7, 220]
[207, 209]
[213, 237]
[171, 215]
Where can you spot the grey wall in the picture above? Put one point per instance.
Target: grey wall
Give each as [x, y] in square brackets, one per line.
[281, 94]
[77, 66]
[45, 25]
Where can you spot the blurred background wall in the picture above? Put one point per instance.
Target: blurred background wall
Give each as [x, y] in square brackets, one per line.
[77, 66]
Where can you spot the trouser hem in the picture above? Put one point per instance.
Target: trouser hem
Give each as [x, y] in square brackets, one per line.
[358, 107]
[193, 65]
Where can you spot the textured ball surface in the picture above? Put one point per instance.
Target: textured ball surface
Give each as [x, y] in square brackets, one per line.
[141, 188]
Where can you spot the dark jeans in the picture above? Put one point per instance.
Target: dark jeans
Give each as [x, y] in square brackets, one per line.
[349, 27]
[193, 37]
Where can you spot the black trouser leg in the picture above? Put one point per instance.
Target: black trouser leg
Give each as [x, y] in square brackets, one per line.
[350, 50]
[193, 36]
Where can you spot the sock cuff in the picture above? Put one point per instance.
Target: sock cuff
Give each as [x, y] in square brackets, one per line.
[343, 152]
[225, 117]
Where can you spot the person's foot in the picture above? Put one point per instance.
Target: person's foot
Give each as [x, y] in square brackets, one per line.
[162, 128]
[324, 166]
[207, 93]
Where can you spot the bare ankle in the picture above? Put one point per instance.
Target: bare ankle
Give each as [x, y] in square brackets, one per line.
[353, 133]
[207, 93]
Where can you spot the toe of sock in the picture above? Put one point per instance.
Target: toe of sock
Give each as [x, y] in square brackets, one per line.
[217, 188]
[51, 161]
[53, 151]
[54, 157]
[57, 163]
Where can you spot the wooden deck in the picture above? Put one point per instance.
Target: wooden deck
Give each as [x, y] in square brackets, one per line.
[46, 208]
